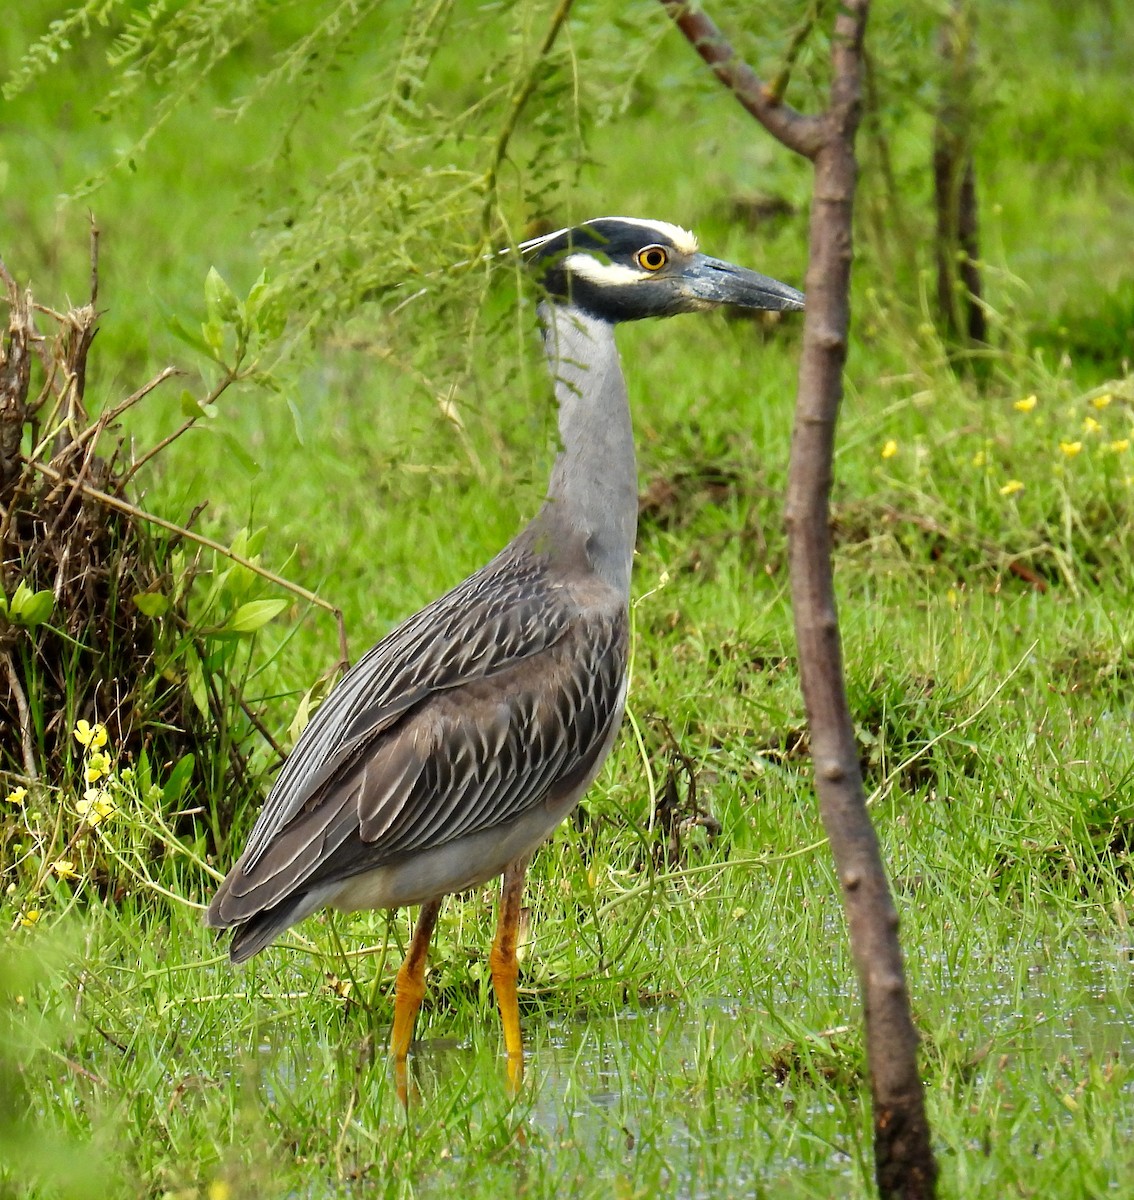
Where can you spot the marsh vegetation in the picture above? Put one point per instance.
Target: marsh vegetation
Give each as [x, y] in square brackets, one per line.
[689, 1000]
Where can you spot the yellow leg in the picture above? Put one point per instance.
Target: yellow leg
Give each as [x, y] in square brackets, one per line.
[409, 990]
[502, 961]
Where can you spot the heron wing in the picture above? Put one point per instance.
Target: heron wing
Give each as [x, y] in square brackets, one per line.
[497, 617]
[510, 695]
[472, 758]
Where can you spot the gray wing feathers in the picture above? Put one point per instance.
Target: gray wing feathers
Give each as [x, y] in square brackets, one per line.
[491, 750]
[457, 722]
[504, 613]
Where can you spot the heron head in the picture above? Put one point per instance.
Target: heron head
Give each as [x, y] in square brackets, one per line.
[622, 269]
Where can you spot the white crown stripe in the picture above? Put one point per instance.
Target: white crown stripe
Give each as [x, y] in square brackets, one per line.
[532, 243]
[682, 239]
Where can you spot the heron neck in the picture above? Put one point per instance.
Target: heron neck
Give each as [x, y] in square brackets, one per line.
[594, 482]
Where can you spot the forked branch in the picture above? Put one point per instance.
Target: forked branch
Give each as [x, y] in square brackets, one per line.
[800, 133]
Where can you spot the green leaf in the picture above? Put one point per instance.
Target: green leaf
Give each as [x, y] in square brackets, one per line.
[177, 327]
[153, 604]
[192, 407]
[249, 542]
[263, 379]
[240, 455]
[257, 294]
[213, 333]
[263, 311]
[195, 675]
[296, 420]
[142, 772]
[178, 779]
[253, 615]
[221, 305]
[31, 608]
[309, 702]
[239, 582]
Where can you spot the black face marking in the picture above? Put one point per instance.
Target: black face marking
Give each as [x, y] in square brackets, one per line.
[620, 269]
[614, 242]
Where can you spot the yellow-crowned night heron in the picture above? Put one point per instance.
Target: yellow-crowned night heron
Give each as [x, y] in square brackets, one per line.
[459, 742]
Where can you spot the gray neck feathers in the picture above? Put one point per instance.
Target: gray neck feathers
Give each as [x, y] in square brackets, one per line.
[593, 493]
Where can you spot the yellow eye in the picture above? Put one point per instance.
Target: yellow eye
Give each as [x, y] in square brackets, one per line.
[653, 258]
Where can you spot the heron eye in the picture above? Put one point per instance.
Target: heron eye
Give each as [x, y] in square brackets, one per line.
[653, 258]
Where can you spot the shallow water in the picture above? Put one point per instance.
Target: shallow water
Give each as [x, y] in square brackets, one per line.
[694, 1087]
[733, 1095]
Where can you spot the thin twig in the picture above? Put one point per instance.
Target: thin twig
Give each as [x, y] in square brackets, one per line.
[201, 540]
[112, 414]
[803, 134]
[519, 101]
[261, 728]
[77, 483]
[779, 85]
[27, 748]
[228, 380]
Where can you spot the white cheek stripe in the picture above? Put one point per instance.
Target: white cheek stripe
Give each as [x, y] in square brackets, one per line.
[603, 274]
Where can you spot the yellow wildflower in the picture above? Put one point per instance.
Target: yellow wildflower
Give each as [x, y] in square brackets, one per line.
[97, 766]
[90, 737]
[219, 1190]
[1102, 401]
[29, 918]
[890, 449]
[980, 458]
[1070, 448]
[1120, 444]
[1025, 405]
[16, 795]
[95, 806]
[1090, 425]
[1011, 487]
[64, 868]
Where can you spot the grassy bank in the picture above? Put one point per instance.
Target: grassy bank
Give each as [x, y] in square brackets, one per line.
[692, 1025]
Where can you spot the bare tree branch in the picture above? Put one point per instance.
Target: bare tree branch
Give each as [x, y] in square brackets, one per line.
[904, 1163]
[800, 133]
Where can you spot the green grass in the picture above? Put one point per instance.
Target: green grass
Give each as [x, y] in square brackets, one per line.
[692, 1031]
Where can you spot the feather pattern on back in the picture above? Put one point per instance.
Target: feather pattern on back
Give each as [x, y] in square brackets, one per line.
[497, 695]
